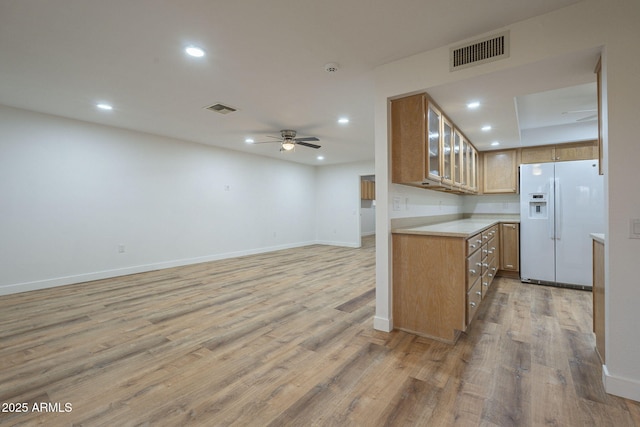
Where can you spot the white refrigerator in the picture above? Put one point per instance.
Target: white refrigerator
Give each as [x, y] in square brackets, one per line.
[560, 205]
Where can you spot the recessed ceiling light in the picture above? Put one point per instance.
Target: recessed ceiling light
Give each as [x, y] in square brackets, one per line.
[343, 120]
[320, 157]
[495, 143]
[103, 106]
[474, 104]
[249, 140]
[195, 51]
[486, 128]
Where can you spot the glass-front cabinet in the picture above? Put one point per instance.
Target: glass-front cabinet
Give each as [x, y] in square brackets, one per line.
[427, 150]
[458, 142]
[447, 152]
[433, 165]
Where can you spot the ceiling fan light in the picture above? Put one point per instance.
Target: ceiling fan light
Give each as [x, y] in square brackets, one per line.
[288, 145]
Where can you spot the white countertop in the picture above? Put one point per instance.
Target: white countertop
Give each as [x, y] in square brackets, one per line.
[598, 237]
[459, 228]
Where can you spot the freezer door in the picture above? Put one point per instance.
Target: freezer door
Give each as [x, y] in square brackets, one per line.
[579, 207]
[537, 255]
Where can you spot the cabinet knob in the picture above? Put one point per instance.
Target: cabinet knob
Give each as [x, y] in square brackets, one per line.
[472, 246]
[472, 304]
[486, 284]
[479, 293]
[472, 271]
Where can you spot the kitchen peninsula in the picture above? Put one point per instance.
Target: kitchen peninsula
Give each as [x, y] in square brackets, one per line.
[442, 271]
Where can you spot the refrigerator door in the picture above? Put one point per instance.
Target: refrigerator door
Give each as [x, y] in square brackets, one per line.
[579, 207]
[537, 255]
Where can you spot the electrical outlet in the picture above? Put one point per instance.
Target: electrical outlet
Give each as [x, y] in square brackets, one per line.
[634, 226]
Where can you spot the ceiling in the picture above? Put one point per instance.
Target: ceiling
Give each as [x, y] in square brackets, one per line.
[267, 59]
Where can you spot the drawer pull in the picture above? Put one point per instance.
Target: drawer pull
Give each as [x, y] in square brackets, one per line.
[479, 293]
[472, 246]
[472, 271]
[472, 304]
[485, 284]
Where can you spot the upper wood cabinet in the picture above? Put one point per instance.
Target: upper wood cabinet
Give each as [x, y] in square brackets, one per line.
[598, 72]
[367, 190]
[408, 145]
[500, 172]
[426, 148]
[585, 150]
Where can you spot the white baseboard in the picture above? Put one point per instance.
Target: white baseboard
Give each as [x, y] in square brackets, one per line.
[343, 244]
[619, 386]
[106, 274]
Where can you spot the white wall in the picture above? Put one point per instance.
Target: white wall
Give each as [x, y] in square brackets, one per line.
[611, 25]
[367, 217]
[504, 204]
[338, 203]
[407, 201]
[72, 192]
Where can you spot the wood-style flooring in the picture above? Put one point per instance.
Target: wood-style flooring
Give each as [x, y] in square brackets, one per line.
[286, 338]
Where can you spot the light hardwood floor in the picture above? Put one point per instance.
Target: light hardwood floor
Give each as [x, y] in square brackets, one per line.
[286, 338]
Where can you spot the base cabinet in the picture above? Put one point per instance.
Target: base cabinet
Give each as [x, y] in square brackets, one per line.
[439, 282]
[510, 249]
[598, 298]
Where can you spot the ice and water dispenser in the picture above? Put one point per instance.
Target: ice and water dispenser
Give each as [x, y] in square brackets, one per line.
[538, 206]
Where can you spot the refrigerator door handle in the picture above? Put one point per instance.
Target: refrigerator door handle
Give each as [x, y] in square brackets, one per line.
[559, 210]
[550, 209]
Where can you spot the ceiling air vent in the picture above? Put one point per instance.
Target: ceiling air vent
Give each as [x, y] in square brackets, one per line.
[478, 52]
[221, 108]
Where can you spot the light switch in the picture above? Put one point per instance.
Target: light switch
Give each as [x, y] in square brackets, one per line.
[634, 226]
[396, 203]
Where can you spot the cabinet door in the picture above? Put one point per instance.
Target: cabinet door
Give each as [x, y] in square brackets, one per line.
[433, 165]
[473, 171]
[464, 164]
[510, 247]
[408, 139]
[578, 151]
[500, 172]
[457, 158]
[542, 154]
[447, 152]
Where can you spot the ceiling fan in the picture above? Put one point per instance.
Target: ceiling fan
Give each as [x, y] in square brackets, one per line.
[288, 140]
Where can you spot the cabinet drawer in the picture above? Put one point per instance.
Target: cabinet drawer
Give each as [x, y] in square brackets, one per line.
[474, 296]
[485, 283]
[492, 247]
[474, 268]
[492, 269]
[489, 233]
[474, 243]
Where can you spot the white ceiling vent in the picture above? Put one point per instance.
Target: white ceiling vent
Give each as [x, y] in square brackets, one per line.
[480, 51]
[221, 108]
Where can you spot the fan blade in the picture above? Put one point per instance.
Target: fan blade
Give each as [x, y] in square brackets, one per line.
[309, 138]
[306, 144]
[264, 142]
